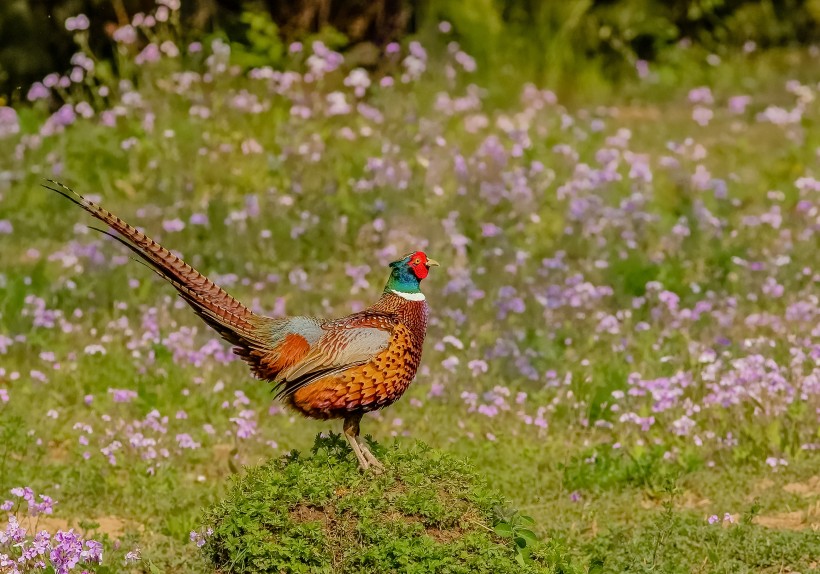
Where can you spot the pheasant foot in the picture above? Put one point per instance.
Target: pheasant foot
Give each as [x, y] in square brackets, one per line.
[363, 462]
[366, 458]
[377, 466]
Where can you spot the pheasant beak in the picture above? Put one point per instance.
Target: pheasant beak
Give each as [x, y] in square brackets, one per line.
[432, 263]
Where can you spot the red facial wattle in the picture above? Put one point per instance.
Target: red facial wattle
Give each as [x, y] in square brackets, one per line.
[420, 270]
[418, 263]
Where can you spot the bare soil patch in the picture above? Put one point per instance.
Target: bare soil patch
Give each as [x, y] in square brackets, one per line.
[113, 526]
[811, 487]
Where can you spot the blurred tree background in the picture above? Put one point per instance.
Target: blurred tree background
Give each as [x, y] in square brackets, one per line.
[547, 40]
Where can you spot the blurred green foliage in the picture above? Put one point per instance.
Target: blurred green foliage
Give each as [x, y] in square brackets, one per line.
[264, 47]
[557, 42]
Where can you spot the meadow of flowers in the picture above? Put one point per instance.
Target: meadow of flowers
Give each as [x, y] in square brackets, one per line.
[625, 334]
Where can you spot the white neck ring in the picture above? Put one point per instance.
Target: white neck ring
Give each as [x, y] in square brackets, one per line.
[410, 296]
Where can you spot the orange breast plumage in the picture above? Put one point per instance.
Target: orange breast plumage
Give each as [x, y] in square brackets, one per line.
[366, 387]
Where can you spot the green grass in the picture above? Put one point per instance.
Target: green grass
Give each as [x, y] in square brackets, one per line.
[296, 223]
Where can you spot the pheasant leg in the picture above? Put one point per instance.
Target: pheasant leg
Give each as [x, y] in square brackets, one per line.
[363, 464]
[351, 432]
[369, 456]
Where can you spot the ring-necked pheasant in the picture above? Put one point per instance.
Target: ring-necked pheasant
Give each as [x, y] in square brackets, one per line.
[324, 369]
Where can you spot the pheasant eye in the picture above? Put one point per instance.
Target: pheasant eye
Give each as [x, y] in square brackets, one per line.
[417, 261]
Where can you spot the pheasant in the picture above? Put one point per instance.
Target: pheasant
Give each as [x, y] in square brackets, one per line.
[324, 369]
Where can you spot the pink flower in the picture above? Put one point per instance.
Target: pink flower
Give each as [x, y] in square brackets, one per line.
[642, 67]
[37, 91]
[122, 395]
[477, 367]
[169, 49]
[702, 115]
[149, 54]
[171, 225]
[737, 104]
[77, 23]
[701, 95]
[251, 147]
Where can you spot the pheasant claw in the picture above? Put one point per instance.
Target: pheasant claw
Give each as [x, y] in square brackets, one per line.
[374, 463]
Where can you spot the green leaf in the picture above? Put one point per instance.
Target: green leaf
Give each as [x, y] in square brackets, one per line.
[520, 559]
[504, 530]
[527, 535]
[773, 433]
[526, 520]
[714, 557]
[522, 556]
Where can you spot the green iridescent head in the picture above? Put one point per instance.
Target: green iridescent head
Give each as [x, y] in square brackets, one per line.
[406, 273]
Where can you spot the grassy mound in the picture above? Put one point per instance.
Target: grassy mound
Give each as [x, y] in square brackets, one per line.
[428, 512]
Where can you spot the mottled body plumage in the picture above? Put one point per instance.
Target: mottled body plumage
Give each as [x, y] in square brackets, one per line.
[378, 382]
[324, 369]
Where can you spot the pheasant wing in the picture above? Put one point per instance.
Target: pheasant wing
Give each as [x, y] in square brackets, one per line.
[348, 342]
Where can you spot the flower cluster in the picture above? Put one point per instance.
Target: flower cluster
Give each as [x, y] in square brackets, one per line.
[62, 552]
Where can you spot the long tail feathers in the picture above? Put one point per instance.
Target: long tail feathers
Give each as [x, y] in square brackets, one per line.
[230, 318]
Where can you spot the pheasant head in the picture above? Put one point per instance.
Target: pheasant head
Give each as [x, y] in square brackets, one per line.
[406, 273]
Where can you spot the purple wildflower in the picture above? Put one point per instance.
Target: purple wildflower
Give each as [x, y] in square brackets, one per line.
[77, 23]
